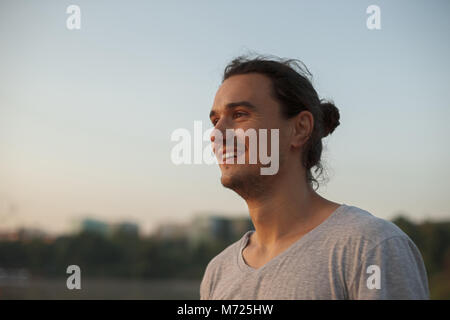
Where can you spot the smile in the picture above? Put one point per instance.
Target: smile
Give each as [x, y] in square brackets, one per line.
[228, 155]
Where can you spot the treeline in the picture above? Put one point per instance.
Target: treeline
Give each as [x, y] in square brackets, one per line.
[433, 241]
[118, 255]
[126, 255]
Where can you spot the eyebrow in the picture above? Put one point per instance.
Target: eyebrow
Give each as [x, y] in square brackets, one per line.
[233, 105]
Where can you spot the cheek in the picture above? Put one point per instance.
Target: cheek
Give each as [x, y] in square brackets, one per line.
[283, 142]
[285, 139]
[256, 124]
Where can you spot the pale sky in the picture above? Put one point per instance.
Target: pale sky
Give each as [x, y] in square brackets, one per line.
[86, 115]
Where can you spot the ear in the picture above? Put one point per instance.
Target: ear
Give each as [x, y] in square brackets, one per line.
[303, 125]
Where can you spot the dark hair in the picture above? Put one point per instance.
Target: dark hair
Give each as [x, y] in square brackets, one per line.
[295, 92]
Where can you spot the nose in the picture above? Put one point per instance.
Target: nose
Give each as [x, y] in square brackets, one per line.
[218, 136]
[219, 130]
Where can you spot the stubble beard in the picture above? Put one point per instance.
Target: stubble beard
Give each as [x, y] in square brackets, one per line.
[250, 183]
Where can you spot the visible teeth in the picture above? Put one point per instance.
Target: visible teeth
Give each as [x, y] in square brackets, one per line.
[228, 155]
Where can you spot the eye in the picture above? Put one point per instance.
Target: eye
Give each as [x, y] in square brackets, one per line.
[239, 114]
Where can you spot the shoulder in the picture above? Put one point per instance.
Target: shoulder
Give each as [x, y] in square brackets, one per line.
[372, 242]
[356, 224]
[357, 232]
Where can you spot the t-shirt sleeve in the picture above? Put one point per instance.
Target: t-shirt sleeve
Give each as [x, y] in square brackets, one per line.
[393, 269]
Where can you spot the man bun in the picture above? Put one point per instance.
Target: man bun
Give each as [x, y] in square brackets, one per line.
[330, 117]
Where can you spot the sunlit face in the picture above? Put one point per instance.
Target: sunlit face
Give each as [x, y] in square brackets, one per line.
[244, 102]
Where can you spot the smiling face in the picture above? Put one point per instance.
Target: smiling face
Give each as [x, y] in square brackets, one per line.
[245, 102]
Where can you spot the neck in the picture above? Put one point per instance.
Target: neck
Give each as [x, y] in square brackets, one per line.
[291, 208]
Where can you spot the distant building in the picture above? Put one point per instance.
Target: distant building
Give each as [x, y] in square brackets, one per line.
[104, 228]
[9, 236]
[25, 234]
[171, 231]
[94, 226]
[127, 228]
[207, 227]
[241, 225]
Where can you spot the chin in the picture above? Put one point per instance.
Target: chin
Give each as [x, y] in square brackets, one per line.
[230, 173]
[228, 179]
[234, 177]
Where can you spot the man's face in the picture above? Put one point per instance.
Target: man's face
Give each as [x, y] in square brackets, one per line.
[245, 102]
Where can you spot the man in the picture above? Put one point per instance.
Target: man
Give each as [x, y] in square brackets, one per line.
[303, 246]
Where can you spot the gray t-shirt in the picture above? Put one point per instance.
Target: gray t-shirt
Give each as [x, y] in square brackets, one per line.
[351, 255]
